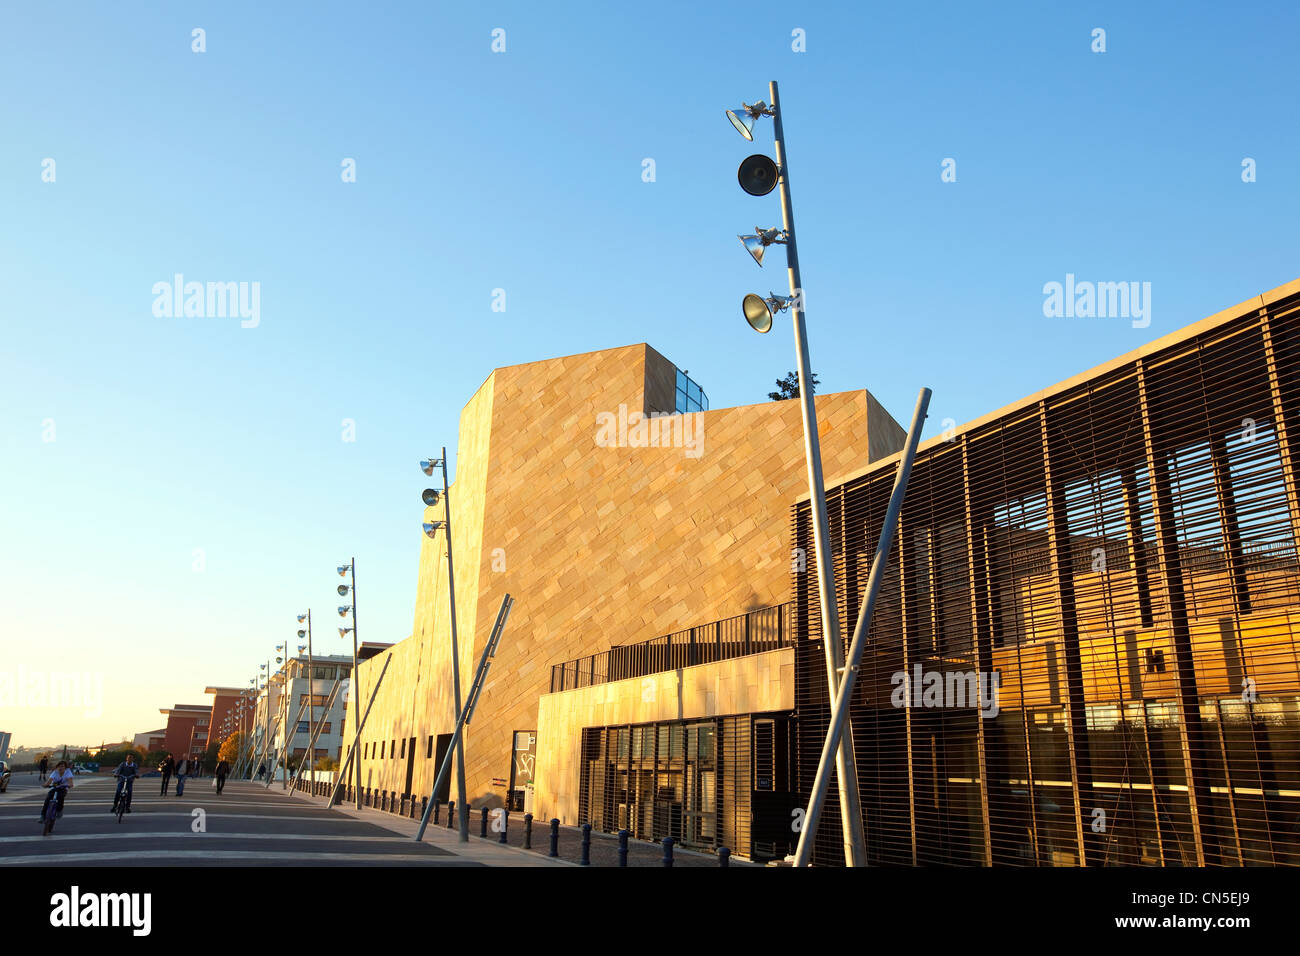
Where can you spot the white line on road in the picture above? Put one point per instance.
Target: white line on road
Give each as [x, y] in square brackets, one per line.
[186, 815]
[116, 857]
[180, 834]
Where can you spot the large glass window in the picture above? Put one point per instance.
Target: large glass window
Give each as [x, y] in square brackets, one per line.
[690, 397]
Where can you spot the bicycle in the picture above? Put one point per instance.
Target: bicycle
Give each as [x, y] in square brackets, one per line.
[50, 810]
[123, 797]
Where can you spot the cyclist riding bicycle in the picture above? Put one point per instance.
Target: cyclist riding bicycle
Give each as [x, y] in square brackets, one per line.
[126, 773]
[61, 781]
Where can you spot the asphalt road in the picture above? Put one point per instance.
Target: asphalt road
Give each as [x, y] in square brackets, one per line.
[246, 826]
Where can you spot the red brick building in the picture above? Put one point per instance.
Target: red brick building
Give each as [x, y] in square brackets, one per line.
[225, 701]
[187, 728]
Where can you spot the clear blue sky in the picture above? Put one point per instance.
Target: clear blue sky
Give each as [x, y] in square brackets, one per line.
[523, 171]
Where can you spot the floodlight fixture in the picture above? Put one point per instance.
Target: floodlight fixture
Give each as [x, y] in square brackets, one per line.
[757, 244]
[745, 117]
[428, 464]
[343, 590]
[431, 496]
[430, 527]
[759, 311]
[343, 611]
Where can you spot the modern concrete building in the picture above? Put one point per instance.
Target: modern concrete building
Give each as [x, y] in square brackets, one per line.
[598, 492]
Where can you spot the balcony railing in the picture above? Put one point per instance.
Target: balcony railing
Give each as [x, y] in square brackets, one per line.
[764, 629]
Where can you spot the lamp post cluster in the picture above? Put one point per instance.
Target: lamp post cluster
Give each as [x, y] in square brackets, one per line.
[349, 571]
[244, 714]
[758, 175]
[431, 497]
[305, 619]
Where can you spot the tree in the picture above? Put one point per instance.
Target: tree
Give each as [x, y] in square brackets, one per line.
[210, 757]
[230, 747]
[153, 758]
[327, 763]
[115, 754]
[789, 387]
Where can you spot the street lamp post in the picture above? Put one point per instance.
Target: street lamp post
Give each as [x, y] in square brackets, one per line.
[755, 177]
[355, 686]
[462, 804]
[311, 705]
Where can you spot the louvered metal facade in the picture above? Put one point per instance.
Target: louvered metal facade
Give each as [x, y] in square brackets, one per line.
[1110, 573]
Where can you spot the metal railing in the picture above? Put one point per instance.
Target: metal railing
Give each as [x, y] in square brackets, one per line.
[763, 629]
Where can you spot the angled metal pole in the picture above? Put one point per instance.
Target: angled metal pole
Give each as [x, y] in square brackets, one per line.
[855, 847]
[282, 756]
[463, 718]
[311, 745]
[840, 711]
[343, 768]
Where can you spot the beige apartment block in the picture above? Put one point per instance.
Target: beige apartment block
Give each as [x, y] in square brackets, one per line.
[606, 530]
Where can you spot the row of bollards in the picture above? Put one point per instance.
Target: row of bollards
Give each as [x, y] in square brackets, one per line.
[724, 853]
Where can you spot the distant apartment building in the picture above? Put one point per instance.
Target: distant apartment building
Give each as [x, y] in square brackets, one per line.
[150, 740]
[187, 728]
[321, 680]
[225, 706]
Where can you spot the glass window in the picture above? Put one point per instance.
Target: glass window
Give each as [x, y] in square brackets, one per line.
[689, 396]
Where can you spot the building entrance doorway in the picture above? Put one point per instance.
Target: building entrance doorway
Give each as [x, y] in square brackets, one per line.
[440, 752]
[410, 765]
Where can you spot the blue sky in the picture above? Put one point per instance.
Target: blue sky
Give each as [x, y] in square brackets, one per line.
[522, 171]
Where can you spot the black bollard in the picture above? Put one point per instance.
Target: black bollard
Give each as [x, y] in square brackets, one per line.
[437, 806]
[622, 847]
[505, 824]
[482, 830]
[528, 831]
[451, 814]
[586, 845]
[668, 851]
[555, 837]
[724, 856]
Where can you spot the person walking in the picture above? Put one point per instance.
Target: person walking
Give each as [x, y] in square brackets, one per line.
[45, 765]
[166, 768]
[182, 768]
[223, 771]
[261, 770]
